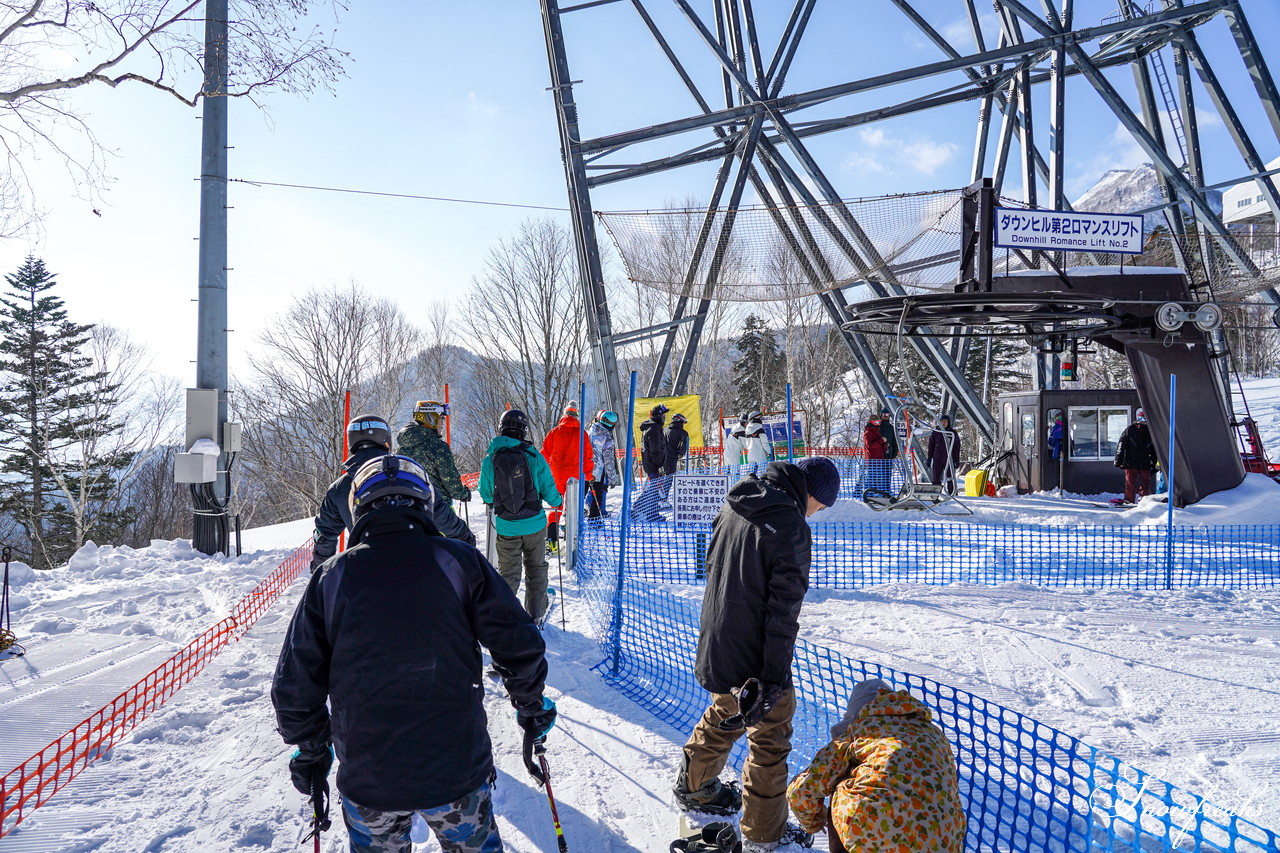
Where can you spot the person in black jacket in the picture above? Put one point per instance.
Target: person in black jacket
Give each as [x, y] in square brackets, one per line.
[677, 443]
[382, 660]
[944, 444]
[757, 577]
[889, 432]
[368, 437]
[1136, 454]
[653, 459]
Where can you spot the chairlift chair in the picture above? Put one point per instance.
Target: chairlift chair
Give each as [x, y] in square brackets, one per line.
[915, 494]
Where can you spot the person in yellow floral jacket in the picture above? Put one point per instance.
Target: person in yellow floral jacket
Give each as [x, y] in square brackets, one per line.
[891, 777]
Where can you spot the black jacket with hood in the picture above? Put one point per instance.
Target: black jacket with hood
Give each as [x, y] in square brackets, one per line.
[677, 446]
[1135, 449]
[335, 512]
[757, 577]
[653, 447]
[388, 633]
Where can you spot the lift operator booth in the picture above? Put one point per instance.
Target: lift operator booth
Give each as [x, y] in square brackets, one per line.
[1081, 457]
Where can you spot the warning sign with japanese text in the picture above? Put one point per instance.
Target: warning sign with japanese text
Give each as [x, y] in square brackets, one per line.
[696, 498]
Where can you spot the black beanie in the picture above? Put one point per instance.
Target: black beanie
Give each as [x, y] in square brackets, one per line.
[821, 478]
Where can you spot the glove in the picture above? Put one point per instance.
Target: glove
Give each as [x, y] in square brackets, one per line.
[537, 718]
[755, 701]
[318, 558]
[310, 765]
[466, 498]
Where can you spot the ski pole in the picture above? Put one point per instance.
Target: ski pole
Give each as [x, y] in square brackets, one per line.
[320, 812]
[540, 749]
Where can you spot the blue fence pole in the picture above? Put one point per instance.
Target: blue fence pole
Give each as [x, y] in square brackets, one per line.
[582, 451]
[1173, 428]
[791, 444]
[615, 630]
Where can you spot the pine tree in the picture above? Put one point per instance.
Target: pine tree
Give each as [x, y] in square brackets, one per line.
[54, 410]
[760, 372]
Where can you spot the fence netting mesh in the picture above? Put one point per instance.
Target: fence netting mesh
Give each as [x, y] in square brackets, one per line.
[1026, 786]
[769, 253]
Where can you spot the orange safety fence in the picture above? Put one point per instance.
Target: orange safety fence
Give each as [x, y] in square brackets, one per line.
[32, 783]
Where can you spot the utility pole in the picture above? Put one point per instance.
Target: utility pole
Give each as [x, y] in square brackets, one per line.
[211, 356]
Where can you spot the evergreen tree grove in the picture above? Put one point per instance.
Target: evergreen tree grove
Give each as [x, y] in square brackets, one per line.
[760, 372]
[54, 410]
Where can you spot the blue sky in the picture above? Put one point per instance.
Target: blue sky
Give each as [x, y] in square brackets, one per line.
[449, 99]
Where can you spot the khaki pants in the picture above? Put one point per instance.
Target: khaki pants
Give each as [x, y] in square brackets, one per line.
[764, 778]
[526, 555]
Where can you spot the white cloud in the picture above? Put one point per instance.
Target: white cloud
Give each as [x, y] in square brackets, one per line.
[928, 156]
[477, 106]
[918, 153]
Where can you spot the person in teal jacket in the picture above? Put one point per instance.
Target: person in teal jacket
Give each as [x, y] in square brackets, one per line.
[516, 488]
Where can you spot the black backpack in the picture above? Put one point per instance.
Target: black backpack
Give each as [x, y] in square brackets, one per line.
[515, 496]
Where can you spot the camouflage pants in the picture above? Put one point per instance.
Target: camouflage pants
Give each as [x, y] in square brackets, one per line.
[465, 826]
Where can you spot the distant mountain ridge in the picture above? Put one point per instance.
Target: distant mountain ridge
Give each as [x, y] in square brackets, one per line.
[1130, 190]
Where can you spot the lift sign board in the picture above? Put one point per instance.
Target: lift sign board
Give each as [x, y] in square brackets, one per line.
[1059, 230]
[696, 498]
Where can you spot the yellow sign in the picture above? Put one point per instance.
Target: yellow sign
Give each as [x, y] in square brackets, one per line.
[688, 405]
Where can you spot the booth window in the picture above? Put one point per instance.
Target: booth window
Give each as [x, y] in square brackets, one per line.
[1028, 432]
[1008, 425]
[1095, 431]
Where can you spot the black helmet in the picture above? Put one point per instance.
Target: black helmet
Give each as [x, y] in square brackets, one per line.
[678, 418]
[513, 423]
[658, 411]
[368, 429]
[387, 476]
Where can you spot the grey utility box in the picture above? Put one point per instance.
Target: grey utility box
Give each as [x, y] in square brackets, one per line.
[202, 415]
[195, 468]
[231, 437]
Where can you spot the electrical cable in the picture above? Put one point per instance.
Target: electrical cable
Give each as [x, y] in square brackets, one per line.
[395, 195]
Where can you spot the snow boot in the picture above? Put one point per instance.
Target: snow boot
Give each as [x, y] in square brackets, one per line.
[718, 837]
[715, 797]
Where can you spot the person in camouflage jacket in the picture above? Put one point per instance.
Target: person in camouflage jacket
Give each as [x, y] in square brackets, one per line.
[421, 442]
[891, 777]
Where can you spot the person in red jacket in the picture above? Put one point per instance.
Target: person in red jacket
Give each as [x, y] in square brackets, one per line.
[561, 451]
[876, 467]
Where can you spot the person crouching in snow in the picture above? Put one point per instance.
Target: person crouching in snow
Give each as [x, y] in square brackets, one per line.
[891, 777]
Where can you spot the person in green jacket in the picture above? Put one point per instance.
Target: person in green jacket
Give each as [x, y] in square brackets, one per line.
[515, 480]
[421, 442]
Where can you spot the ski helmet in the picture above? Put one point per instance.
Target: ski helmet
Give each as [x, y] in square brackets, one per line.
[607, 417]
[389, 476]
[570, 410]
[658, 411]
[678, 418]
[368, 429]
[1142, 416]
[428, 413]
[744, 418]
[513, 423]
[755, 417]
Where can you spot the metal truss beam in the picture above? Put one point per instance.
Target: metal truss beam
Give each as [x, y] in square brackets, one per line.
[758, 138]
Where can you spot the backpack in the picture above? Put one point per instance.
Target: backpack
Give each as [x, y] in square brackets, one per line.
[515, 496]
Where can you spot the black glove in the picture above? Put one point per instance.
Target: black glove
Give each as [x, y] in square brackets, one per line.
[318, 555]
[466, 498]
[537, 718]
[310, 765]
[755, 701]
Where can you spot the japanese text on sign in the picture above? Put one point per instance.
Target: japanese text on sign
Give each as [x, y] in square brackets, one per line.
[1072, 232]
[696, 498]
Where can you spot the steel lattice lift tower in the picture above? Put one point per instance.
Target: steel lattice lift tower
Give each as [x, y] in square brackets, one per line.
[759, 134]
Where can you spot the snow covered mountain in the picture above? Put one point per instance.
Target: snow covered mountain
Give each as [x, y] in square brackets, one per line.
[1129, 190]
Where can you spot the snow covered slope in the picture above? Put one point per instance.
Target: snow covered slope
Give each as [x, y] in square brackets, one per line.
[1181, 685]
